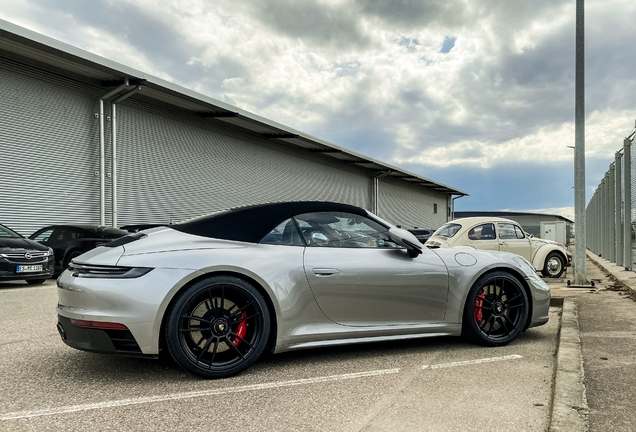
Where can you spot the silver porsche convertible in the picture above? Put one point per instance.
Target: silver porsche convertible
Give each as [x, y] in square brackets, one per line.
[217, 291]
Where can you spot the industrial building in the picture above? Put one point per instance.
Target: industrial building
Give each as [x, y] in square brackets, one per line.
[84, 139]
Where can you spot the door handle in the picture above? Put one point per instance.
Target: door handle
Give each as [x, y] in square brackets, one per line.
[325, 271]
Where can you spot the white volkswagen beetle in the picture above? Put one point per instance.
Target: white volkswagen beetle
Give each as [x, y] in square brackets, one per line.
[499, 234]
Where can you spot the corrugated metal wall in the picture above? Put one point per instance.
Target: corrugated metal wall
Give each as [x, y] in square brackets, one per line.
[48, 151]
[172, 165]
[411, 205]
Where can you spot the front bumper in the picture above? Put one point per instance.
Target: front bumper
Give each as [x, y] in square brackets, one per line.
[9, 270]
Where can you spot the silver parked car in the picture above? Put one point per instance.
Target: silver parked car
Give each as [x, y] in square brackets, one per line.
[216, 291]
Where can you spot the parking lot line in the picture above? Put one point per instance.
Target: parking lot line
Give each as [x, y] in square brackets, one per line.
[470, 362]
[177, 396]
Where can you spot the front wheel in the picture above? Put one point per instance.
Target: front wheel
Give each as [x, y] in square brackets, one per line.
[553, 267]
[496, 310]
[217, 327]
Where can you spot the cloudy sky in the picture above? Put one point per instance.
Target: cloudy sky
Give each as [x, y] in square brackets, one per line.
[478, 95]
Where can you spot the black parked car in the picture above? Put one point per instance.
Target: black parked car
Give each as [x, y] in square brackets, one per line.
[422, 234]
[23, 259]
[70, 241]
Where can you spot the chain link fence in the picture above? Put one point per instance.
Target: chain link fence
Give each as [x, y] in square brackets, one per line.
[611, 213]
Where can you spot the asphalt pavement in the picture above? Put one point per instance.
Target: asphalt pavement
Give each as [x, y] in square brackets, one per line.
[595, 378]
[576, 373]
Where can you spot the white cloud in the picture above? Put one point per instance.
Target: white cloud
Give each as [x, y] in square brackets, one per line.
[567, 212]
[369, 75]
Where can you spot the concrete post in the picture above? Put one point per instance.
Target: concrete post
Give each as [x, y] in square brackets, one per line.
[617, 205]
[611, 216]
[605, 228]
[627, 200]
[580, 277]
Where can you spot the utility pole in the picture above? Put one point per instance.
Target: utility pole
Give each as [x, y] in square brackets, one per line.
[579, 149]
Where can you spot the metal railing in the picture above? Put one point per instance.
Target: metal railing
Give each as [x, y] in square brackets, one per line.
[610, 217]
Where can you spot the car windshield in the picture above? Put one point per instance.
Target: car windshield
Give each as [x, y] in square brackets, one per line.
[448, 230]
[7, 233]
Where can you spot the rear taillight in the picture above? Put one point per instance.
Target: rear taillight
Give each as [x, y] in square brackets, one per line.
[98, 325]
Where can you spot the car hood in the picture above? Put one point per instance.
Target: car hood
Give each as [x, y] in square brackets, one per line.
[484, 258]
[20, 244]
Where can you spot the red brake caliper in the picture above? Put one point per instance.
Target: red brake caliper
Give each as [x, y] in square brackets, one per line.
[241, 329]
[479, 303]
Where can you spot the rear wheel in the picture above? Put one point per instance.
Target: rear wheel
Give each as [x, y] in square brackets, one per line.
[496, 310]
[217, 327]
[553, 267]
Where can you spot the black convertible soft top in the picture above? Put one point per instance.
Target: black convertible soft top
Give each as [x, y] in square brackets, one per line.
[250, 224]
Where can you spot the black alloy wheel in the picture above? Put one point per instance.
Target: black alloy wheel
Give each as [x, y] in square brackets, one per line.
[553, 267]
[496, 310]
[217, 327]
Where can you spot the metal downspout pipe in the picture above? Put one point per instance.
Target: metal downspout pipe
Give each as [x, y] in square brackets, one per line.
[102, 156]
[114, 149]
[376, 186]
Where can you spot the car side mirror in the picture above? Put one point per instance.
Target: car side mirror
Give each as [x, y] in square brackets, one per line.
[406, 239]
[319, 238]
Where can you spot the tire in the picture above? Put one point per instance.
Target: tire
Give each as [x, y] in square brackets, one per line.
[496, 310]
[72, 255]
[35, 281]
[217, 327]
[553, 267]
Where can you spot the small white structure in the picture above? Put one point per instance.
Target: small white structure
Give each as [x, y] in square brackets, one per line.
[554, 230]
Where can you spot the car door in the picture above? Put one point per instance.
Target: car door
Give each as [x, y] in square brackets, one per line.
[360, 278]
[512, 239]
[483, 237]
[51, 237]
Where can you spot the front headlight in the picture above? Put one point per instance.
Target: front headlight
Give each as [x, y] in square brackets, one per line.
[49, 252]
[106, 272]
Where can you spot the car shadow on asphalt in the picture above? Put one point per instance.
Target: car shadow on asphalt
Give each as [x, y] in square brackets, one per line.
[112, 369]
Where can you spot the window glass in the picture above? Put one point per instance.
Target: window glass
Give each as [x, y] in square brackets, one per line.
[44, 236]
[507, 231]
[7, 233]
[448, 230]
[286, 233]
[482, 232]
[343, 230]
[65, 235]
[519, 232]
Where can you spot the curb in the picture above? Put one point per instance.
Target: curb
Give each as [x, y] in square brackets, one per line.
[569, 401]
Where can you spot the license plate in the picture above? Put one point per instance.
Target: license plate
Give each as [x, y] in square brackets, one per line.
[29, 268]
